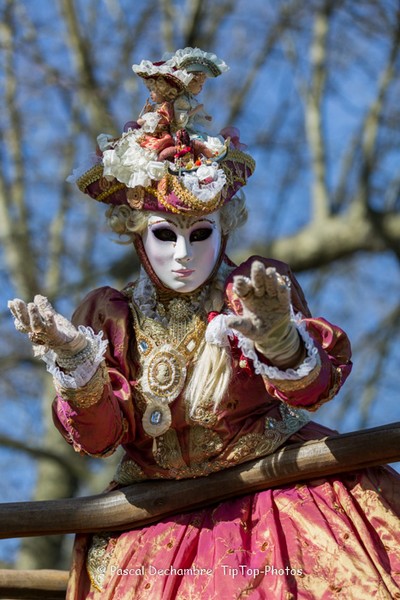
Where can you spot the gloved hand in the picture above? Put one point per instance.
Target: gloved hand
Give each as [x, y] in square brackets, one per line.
[45, 327]
[266, 317]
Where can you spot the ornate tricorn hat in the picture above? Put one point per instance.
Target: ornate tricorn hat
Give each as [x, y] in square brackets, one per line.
[180, 192]
[199, 174]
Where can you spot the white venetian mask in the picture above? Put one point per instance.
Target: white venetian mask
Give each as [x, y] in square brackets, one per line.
[182, 250]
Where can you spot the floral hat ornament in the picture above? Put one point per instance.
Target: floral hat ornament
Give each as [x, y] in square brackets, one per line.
[162, 162]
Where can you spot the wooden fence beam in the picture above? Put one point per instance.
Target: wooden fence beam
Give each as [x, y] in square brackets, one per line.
[43, 584]
[142, 503]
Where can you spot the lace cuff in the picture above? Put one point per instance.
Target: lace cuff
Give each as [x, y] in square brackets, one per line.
[84, 365]
[218, 333]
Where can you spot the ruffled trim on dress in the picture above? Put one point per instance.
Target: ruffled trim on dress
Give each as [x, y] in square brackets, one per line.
[150, 121]
[144, 295]
[218, 333]
[84, 372]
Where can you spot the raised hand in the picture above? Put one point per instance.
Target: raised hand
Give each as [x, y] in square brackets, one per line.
[45, 327]
[266, 317]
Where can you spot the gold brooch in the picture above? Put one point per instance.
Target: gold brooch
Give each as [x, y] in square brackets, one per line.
[163, 378]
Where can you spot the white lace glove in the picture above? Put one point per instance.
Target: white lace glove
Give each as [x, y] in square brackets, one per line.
[47, 328]
[266, 318]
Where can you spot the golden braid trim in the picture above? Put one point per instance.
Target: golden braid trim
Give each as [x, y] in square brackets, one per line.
[89, 394]
[89, 177]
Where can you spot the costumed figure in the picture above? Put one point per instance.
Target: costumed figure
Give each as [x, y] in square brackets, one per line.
[157, 122]
[165, 93]
[153, 144]
[136, 157]
[189, 113]
[197, 366]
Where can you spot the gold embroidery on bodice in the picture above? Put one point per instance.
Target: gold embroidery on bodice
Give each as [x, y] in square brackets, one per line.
[167, 345]
[165, 352]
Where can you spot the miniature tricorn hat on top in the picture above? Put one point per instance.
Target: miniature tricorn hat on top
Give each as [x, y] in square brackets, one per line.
[178, 78]
[194, 59]
[202, 172]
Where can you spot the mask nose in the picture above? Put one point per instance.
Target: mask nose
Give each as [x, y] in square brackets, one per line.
[183, 250]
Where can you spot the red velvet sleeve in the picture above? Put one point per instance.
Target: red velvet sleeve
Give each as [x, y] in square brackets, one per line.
[99, 429]
[331, 342]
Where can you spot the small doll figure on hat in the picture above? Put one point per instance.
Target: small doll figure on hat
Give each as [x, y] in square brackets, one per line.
[169, 132]
[135, 159]
[168, 90]
[189, 113]
[157, 122]
[138, 157]
[187, 149]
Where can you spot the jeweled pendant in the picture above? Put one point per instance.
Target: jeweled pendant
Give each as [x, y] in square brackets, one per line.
[143, 345]
[164, 374]
[156, 419]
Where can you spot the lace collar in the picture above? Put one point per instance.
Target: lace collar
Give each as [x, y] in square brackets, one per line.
[153, 302]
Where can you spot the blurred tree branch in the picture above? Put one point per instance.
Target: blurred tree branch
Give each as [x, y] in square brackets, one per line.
[329, 235]
[91, 95]
[314, 111]
[14, 217]
[71, 467]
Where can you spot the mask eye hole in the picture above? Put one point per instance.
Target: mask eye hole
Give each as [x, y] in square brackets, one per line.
[199, 235]
[164, 234]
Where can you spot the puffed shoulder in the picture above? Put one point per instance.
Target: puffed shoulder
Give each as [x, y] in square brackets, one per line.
[101, 305]
[108, 311]
[298, 300]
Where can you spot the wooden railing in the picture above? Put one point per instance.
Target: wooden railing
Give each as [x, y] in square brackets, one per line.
[44, 584]
[143, 503]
